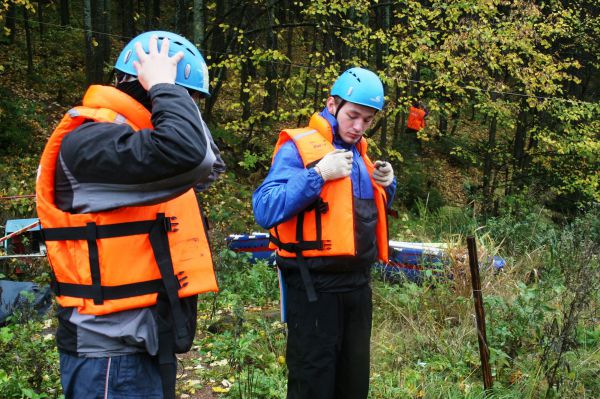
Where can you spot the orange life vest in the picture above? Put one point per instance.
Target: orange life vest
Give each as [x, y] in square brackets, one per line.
[327, 225]
[416, 119]
[115, 260]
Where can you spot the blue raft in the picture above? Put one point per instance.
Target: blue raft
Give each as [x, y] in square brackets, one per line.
[413, 261]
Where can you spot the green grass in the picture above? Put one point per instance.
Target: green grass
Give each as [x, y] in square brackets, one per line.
[541, 314]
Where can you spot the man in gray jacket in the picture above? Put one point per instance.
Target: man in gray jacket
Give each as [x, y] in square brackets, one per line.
[107, 166]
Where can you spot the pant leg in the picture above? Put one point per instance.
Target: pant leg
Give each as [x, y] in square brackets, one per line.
[352, 376]
[412, 143]
[116, 377]
[313, 337]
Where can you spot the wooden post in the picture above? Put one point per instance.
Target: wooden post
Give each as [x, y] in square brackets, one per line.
[484, 352]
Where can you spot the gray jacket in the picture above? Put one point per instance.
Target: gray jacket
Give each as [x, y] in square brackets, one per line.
[103, 166]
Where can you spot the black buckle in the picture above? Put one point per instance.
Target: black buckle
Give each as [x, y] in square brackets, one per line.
[170, 224]
[182, 277]
[319, 205]
[325, 245]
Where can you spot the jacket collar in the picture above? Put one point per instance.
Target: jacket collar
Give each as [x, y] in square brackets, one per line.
[327, 125]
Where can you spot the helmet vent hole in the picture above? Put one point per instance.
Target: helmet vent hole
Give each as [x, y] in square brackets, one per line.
[127, 57]
[188, 70]
[355, 75]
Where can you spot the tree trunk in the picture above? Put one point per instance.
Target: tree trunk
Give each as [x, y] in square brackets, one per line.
[181, 17]
[399, 119]
[518, 151]
[244, 95]
[65, 14]
[217, 39]
[156, 13]
[87, 35]
[11, 25]
[219, 46]
[270, 101]
[147, 15]
[455, 122]
[383, 22]
[29, 43]
[198, 24]
[488, 189]
[105, 42]
[289, 16]
[127, 21]
[383, 136]
[92, 10]
[40, 15]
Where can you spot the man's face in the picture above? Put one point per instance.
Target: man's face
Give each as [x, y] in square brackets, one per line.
[353, 120]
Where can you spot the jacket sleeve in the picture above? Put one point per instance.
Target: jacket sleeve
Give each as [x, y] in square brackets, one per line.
[288, 188]
[391, 192]
[218, 167]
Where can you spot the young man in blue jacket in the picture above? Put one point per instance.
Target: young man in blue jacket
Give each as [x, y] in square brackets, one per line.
[325, 203]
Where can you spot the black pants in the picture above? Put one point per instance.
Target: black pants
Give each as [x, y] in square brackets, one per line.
[328, 344]
[412, 142]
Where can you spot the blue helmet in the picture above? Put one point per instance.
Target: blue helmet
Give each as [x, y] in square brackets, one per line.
[192, 71]
[359, 86]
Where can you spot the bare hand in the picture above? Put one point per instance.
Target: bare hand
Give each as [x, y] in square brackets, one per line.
[156, 67]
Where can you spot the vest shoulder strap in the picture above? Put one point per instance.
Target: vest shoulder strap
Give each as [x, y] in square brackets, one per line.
[311, 145]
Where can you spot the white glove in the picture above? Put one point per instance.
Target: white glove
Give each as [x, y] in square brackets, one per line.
[335, 165]
[383, 174]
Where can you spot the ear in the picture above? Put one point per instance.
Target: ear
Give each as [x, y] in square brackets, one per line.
[331, 105]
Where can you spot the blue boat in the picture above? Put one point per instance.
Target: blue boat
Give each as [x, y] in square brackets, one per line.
[413, 261]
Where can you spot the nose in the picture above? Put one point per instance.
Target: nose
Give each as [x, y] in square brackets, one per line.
[359, 125]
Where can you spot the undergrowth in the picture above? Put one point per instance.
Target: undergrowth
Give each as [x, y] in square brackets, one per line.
[541, 311]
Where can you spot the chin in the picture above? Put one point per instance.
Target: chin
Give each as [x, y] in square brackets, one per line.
[350, 139]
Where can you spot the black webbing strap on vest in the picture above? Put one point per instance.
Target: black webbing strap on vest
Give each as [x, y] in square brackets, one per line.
[93, 232]
[162, 254]
[167, 361]
[320, 207]
[90, 233]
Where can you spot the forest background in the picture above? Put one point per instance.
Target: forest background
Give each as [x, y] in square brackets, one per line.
[510, 154]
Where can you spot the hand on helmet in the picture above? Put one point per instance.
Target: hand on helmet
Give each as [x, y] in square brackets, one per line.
[383, 174]
[156, 67]
[335, 165]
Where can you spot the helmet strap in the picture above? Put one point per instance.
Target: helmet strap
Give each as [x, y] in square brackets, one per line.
[337, 110]
[133, 88]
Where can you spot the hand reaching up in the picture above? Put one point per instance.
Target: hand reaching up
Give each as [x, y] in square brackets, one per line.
[156, 66]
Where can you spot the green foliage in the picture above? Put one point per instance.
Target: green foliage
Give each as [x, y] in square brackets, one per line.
[571, 150]
[416, 189]
[17, 180]
[17, 123]
[29, 361]
[541, 313]
[250, 160]
[473, 62]
[244, 350]
[245, 283]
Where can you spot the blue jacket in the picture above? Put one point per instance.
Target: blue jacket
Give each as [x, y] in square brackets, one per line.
[290, 187]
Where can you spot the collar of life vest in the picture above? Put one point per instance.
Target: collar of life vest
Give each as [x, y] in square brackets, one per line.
[98, 96]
